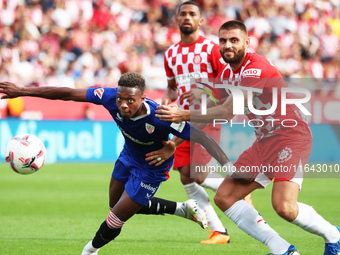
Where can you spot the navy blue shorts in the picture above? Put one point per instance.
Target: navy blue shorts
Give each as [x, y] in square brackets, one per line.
[138, 190]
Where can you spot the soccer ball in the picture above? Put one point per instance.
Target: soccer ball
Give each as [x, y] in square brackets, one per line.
[25, 153]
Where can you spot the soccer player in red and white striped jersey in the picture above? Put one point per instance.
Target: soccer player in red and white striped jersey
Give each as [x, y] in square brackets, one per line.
[285, 148]
[182, 62]
[194, 57]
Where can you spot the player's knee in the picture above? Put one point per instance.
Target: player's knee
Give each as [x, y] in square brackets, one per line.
[185, 179]
[286, 210]
[199, 180]
[221, 201]
[110, 206]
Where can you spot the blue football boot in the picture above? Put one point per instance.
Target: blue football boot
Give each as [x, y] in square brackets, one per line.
[291, 251]
[332, 248]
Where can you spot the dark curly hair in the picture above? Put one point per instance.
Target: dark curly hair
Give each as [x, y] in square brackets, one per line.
[189, 2]
[132, 80]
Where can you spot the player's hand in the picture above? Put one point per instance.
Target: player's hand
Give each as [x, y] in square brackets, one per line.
[161, 155]
[171, 113]
[166, 101]
[192, 95]
[185, 96]
[10, 90]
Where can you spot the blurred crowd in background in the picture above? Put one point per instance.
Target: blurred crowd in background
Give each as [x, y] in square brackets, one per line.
[82, 43]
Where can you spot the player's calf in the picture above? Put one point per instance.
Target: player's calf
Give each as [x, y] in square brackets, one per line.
[188, 209]
[158, 206]
[107, 231]
[103, 236]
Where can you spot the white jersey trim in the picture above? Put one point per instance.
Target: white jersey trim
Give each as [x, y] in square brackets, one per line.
[148, 111]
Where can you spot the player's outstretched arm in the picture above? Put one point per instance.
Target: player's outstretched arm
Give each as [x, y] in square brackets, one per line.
[210, 145]
[173, 113]
[12, 90]
[214, 150]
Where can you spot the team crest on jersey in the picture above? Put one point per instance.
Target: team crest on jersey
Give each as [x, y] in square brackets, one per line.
[99, 92]
[284, 155]
[252, 73]
[149, 128]
[197, 59]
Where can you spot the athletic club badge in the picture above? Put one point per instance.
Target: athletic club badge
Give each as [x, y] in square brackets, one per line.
[284, 155]
[149, 128]
[197, 59]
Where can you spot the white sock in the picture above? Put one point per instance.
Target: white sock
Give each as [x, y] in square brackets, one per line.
[180, 210]
[308, 219]
[88, 249]
[213, 181]
[251, 222]
[195, 191]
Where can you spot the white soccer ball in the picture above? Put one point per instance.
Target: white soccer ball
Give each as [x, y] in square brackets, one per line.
[25, 153]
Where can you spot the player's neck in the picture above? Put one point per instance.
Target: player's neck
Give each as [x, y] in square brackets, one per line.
[189, 39]
[236, 66]
[141, 111]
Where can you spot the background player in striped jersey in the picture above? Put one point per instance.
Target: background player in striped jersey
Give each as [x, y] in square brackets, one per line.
[134, 182]
[194, 57]
[276, 145]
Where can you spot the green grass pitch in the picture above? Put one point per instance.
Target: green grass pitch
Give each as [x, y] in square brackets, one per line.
[59, 209]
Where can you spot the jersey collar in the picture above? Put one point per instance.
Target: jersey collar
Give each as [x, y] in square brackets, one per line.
[142, 116]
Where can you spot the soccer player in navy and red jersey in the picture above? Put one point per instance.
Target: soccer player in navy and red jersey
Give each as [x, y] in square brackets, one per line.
[279, 146]
[134, 181]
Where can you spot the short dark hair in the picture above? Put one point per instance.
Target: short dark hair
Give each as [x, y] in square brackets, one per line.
[189, 2]
[233, 24]
[132, 80]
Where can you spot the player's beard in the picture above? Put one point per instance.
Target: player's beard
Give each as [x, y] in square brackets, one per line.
[238, 56]
[186, 30]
